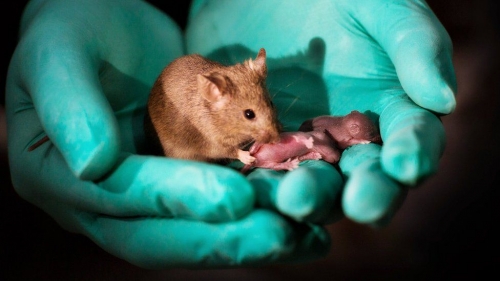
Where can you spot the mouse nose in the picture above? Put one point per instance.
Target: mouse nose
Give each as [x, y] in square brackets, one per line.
[269, 137]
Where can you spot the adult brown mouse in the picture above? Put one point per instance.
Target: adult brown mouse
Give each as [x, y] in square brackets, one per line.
[203, 110]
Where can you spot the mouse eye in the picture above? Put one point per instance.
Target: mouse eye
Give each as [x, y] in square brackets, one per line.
[249, 114]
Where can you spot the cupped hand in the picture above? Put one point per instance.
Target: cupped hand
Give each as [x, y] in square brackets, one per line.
[391, 60]
[81, 75]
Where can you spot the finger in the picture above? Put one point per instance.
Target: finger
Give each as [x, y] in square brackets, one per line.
[79, 74]
[306, 194]
[414, 141]
[419, 47]
[260, 238]
[64, 86]
[171, 187]
[137, 186]
[370, 196]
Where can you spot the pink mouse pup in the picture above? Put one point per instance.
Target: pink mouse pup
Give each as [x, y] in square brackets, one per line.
[353, 128]
[323, 137]
[293, 148]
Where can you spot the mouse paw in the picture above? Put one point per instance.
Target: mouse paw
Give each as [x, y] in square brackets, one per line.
[290, 164]
[245, 157]
[313, 155]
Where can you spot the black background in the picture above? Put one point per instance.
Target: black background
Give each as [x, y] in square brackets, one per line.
[446, 228]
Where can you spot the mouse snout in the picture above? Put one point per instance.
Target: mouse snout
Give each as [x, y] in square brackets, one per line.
[268, 136]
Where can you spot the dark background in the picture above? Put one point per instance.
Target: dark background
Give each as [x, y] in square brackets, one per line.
[446, 228]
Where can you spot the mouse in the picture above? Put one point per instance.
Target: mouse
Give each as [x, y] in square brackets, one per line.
[203, 110]
[293, 148]
[353, 128]
[323, 137]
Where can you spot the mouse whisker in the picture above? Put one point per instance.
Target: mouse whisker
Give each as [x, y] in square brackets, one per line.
[245, 145]
[292, 103]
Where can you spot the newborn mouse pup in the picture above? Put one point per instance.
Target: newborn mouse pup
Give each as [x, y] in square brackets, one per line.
[323, 137]
[353, 128]
[293, 148]
[202, 110]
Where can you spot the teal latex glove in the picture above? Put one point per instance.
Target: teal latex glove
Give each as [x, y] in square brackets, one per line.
[389, 59]
[81, 75]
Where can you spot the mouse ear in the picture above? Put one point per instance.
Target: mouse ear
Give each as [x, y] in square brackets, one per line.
[354, 129]
[259, 64]
[306, 126]
[212, 86]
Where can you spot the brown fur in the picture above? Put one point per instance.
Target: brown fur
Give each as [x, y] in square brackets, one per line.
[196, 108]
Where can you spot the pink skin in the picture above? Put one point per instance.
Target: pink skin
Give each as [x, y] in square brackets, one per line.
[293, 148]
[353, 128]
[323, 137]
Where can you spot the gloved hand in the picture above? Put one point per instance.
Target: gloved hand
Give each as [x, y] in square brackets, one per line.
[81, 75]
[389, 59]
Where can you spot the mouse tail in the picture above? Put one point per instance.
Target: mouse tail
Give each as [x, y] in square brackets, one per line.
[246, 169]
